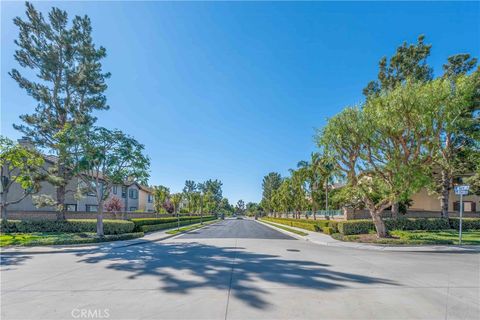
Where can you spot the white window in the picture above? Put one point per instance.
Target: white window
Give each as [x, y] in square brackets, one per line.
[91, 208]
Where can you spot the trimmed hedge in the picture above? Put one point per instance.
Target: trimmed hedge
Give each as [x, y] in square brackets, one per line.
[355, 227]
[427, 224]
[110, 227]
[149, 221]
[307, 224]
[467, 223]
[328, 230]
[163, 226]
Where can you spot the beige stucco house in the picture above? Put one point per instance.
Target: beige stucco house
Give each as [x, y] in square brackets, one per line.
[424, 201]
[134, 196]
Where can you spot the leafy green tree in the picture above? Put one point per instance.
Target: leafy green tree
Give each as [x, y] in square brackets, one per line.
[18, 165]
[318, 173]
[176, 200]
[459, 123]
[298, 192]
[270, 183]
[408, 62]
[189, 191]
[70, 85]
[108, 158]
[253, 209]
[284, 197]
[212, 188]
[240, 207]
[161, 194]
[385, 148]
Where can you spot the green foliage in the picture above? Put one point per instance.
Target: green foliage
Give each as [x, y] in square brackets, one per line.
[408, 62]
[68, 226]
[467, 223]
[416, 237]
[161, 194]
[163, 226]
[68, 89]
[271, 182]
[312, 225]
[300, 233]
[328, 230]
[149, 221]
[355, 227]
[21, 165]
[365, 226]
[46, 239]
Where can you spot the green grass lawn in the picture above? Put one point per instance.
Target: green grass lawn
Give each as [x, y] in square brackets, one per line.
[190, 227]
[39, 238]
[471, 237]
[300, 233]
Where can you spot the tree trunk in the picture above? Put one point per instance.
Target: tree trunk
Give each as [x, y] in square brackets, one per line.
[445, 193]
[100, 232]
[4, 207]
[395, 210]
[4, 213]
[379, 223]
[61, 203]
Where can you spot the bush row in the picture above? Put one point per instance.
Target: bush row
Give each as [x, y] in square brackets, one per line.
[110, 227]
[149, 221]
[428, 224]
[163, 226]
[307, 224]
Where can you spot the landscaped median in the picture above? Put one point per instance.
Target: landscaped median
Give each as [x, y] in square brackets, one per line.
[403, 231]
[83, 231]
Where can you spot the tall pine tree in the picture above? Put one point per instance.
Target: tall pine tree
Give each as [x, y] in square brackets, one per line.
[68, 87]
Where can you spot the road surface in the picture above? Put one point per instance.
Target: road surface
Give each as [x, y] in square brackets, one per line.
[239, 269]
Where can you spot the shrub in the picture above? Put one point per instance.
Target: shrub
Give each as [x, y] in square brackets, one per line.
[467, 223]
[110, 227]
[302, 225]
[417, 224]
[355, 227]
[328, 230]
[163, 226]
[151, 221]
[427, 224]
[312, 225]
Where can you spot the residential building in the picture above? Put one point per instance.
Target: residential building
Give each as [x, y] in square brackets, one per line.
[135, 197]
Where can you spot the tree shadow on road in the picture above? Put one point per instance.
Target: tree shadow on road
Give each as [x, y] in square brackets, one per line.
[184, 267]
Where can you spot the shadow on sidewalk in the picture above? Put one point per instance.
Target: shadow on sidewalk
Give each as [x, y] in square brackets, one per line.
[184, 267]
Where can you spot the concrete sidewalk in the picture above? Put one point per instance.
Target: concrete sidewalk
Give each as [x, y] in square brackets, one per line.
[103, 246]
[326, 240]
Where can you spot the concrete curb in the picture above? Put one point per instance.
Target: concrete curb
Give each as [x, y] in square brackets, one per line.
[72, 248]
[378, 247]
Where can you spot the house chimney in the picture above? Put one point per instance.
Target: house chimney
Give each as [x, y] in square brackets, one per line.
[26, 142]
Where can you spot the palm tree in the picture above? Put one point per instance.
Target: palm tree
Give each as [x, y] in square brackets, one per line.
[313, 173]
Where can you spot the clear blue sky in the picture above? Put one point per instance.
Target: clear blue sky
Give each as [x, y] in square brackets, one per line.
[234, 90]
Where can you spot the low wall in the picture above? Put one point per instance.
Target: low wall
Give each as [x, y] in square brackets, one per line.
[364, 214]
[52, 215]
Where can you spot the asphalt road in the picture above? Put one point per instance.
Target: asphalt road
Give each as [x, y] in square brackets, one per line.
[209, 276]
[236, 228]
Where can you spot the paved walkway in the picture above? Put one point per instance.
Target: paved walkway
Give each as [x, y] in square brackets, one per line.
[326, 240]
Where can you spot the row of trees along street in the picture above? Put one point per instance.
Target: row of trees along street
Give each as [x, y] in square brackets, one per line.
[412, 131]
[196, 198]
